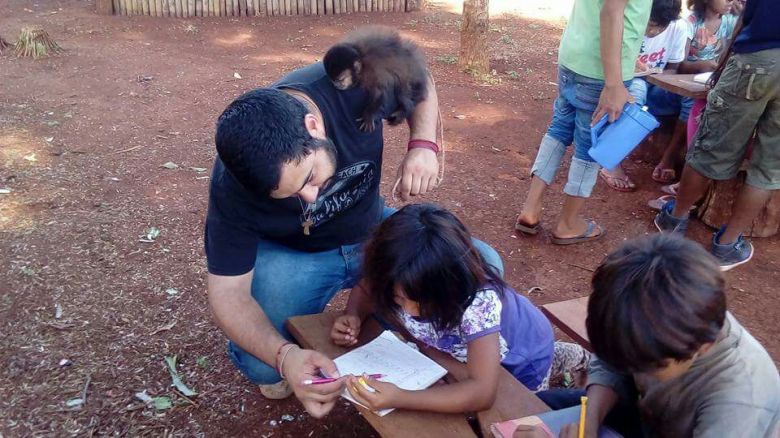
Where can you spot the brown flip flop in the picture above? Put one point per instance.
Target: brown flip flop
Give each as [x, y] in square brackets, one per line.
[584, 237]
[531, 230]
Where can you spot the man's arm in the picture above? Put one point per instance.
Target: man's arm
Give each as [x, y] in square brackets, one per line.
[419, 171]
[614, 95]
[245, 323]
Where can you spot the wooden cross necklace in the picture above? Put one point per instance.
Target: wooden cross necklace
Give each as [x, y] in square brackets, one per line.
[307, 221]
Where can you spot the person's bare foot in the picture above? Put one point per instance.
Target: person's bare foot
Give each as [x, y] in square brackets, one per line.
[577, 229]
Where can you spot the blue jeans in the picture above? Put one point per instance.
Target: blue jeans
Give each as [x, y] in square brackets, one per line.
[288, 283]
[659, 101]
[573, 110]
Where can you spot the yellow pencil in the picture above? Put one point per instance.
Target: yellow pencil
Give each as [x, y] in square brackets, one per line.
[583, 410]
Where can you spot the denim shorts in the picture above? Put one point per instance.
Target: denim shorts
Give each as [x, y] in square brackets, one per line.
[578, 97]
[745, 99]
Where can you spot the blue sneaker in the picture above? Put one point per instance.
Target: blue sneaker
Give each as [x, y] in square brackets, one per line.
[731, 255]
[666, 223]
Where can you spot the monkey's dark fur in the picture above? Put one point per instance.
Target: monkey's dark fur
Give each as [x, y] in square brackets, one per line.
[377, 59]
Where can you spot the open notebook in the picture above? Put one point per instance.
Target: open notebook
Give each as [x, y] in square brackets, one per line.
[401, 364]
[551, 422]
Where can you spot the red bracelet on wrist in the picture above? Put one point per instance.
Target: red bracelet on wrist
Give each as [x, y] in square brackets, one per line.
[423, 144]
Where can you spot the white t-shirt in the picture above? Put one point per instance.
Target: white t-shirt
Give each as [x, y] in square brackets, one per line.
[666, 47]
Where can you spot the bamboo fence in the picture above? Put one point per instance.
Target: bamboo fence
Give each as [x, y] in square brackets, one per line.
[252, 8]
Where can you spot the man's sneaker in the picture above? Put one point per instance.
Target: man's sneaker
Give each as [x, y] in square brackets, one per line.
[666, 223]
[276, 391]
[733, 254]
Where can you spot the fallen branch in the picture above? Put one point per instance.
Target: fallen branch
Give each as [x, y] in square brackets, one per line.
[84, 391]
[581, 267]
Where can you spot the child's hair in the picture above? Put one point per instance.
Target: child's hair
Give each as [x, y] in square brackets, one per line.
[655, 298]
[699, 7]
[428, 253]
[664, 12]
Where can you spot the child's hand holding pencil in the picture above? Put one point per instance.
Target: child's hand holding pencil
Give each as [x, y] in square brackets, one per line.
[374, 394]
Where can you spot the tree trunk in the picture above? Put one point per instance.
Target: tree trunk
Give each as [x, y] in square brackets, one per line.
[473, 37]
[716, 208]
[104, 7]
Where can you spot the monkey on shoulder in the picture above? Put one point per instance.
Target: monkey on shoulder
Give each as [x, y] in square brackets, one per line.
[386, 66]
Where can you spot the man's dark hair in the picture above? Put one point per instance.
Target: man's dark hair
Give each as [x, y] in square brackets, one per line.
[259, 132]
[428, 253]
[655, 298]
[664, 12]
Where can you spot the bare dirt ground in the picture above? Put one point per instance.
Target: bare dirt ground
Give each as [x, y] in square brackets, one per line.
[84, 135]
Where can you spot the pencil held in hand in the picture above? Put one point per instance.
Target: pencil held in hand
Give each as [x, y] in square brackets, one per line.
[583, 411]
[330, 380]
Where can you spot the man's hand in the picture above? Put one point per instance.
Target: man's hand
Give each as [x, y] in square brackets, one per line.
[300, 365]
[384, 395]
[418, 174]
[345, 330]
[611, 102]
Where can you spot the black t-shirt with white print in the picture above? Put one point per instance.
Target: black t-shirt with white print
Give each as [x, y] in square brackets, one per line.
[345, 214]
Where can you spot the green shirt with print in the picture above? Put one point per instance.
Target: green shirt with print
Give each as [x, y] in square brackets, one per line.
[580, 49]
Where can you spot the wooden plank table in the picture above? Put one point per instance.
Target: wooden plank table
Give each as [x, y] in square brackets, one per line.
[513, 400]
[683, 85]
[570, 316]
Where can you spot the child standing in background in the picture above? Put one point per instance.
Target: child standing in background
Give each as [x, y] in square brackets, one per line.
[663, 48]
[422, 273]
[596, 64]
[710, 28]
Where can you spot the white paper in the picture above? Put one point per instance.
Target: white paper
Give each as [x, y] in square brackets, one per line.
[702, 78]
[400, 364]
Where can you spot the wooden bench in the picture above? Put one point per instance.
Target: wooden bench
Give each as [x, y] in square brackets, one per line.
[513, 400]
[570, 316]
[684, 85]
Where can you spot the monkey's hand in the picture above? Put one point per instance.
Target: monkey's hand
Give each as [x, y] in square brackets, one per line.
[366, 125]
[418, 174]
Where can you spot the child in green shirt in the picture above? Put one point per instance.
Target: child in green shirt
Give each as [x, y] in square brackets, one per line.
[596, 64]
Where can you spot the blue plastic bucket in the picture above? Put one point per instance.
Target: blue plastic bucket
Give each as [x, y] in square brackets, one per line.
[612, 142]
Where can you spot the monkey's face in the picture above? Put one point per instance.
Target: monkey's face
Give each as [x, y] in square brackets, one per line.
[344, 80]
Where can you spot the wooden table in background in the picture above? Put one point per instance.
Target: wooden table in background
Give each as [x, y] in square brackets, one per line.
[683, 85]
[570, 316]
[513, 400]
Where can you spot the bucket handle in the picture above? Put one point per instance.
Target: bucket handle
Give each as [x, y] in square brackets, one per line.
[597, 129]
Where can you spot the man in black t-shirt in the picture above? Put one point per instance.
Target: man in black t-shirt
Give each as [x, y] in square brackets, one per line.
[294, 193]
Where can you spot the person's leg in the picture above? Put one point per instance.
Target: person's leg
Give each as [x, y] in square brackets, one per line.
[763, 177]
[288, 283]
[664, 103]
[551, 150]
[693, 120]
[583, 171]
[750, 202]
[693, 185]
[665, 172]
[724, 129]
